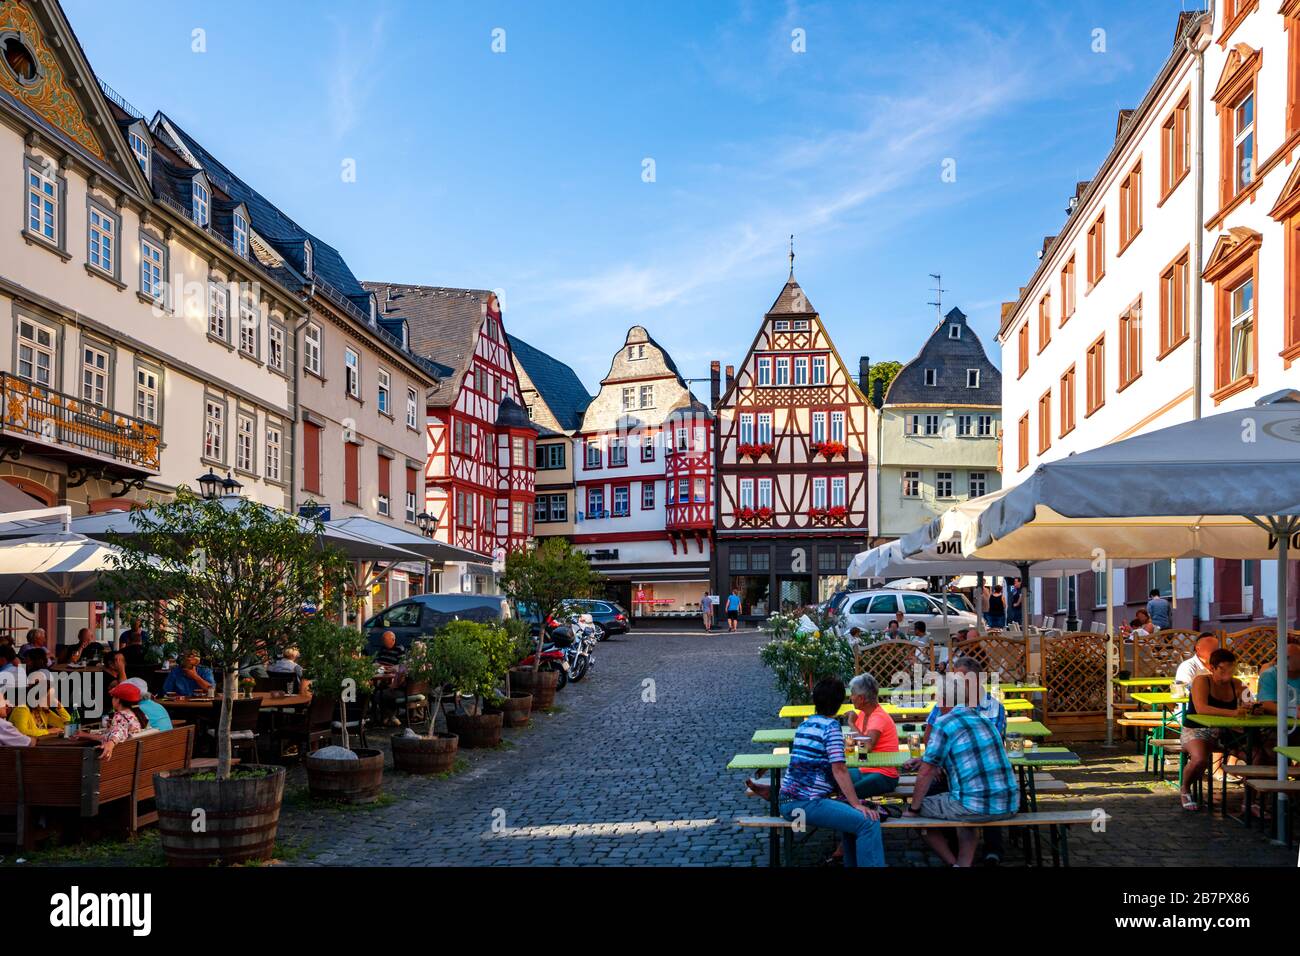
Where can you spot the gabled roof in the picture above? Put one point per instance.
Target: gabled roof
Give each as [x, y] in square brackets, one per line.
[443, 324]
[950, 358]
[791, 301]
[557, 384]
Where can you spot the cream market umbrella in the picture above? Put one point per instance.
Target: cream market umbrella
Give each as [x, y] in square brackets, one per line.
[58, 568]
[1225, 486]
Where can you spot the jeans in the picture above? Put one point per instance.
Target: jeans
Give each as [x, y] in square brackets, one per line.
[862, 843]
[872, 784]
[995, 620]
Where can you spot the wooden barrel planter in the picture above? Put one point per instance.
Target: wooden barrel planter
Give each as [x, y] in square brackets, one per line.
[346, 781]
[541, 685]
[476, 730]
[517, 711]
[238, 820]
[425, 755]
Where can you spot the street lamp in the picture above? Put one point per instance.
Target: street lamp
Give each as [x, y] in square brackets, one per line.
[230, 487]
[427, 523]
[210, 484]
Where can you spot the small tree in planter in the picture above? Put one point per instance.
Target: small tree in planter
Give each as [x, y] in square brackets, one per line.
[501, 648]
[226, 579]
[447, 659]
[475, 727]
[539, 581]
[334, 659]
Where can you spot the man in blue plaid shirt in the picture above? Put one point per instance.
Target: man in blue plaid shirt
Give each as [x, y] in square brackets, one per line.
[981, 781]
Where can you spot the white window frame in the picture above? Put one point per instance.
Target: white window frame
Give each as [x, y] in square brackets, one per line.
[931, 377]
[412, 408]
[250, 315]
[782, 371]
[311, 349]
[972, 378]
[239, 233]
[911, 484]
[101, 239]
[1241, 333]
[977, 482]
[819, 493]
[763, 430]
[214, 430]
[965, 426]
[31, 352]
[839, 491]
[385, 394]
[1243, 138]
[147, 381]
[746, 431]
[153, 262]
[352, 372]
[765, 370]
[819, 364]
[218, 311]
[931, 425]
[984, 427]
[943, 484]
[274, 452]
[818, 427]
[141, 149]
[96, 380]
[199, 199]
[746, 492]
[44, 196]
[837, 426]
[275, 339]
[647, 396]
[801, 370]
[629, 397]
[245, 442]
[765, 492]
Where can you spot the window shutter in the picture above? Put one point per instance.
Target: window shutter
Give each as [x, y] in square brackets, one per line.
[1227, 586]
[384, 473]
[351, 474]
[411, 480]
[311, 457]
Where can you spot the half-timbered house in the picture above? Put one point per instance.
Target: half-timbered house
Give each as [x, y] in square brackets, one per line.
[644, 477]
[795, 463]
[479, 474]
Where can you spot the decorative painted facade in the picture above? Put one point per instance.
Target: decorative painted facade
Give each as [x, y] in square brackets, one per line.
[481, 449]
[795, 461]
[1172, 290]
[644, 479]
[939, 429]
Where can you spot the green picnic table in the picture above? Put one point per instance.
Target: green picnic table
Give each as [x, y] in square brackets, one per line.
[1257, 722]
[800, 711]
[785, 735]
[1159, 698]
[1291, 753]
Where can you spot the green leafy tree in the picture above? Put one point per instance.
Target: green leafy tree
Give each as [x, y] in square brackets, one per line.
[799, 657]
[449, 658]
[333, 658]
[884, 373]
[540, 580]
[226, 581]
[480, 683]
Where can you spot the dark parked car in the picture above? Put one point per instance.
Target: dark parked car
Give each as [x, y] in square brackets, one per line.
[610, 617]
[421, 615]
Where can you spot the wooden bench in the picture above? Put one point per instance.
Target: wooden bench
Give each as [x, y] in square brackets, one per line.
[43, 779]
[1057, 821]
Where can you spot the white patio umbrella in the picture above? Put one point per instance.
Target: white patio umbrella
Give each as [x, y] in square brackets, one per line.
[1224, 486]
[58, 568]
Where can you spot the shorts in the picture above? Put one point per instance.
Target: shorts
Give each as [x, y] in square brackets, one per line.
[1192, 732]
[942, 806]
[733, 615]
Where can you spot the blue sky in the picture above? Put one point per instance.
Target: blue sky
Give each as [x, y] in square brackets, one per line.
[522, 171]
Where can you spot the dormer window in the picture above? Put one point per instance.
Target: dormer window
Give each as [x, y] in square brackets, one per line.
[972, 378]
[931, 377]
[199, 201]
[954, 331]
[239, 232]
[306, 258]
[139, 143]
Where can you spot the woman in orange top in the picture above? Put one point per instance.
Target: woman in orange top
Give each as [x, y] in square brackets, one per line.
[869, 720]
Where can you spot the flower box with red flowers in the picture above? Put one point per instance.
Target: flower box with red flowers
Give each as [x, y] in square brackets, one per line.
[755, 451]
[829, 449]
[836, 514]
[755, 515]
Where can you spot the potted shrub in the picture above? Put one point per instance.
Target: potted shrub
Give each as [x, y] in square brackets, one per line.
[501, 649]
[470, 721]
[539, 581]
[334, 657]
[446, 659]
[227, 576]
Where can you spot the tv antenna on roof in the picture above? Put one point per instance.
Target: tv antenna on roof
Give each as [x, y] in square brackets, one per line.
[938, 291]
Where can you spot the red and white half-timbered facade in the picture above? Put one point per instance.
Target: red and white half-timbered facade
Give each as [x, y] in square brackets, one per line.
[643, 472]
[480, 473]
[794, 459]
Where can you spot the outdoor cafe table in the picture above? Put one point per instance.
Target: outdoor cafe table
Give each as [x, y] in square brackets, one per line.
[800, 711]
[1162, 699]
[785, 735]
[1127, 682]
[189, 704]
[1291, 753]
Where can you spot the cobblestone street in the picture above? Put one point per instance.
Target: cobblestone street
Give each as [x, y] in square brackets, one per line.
[612, 779]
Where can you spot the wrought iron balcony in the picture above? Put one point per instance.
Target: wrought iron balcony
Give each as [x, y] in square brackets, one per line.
[96, 439]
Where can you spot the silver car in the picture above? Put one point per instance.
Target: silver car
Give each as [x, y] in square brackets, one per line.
[873, 610]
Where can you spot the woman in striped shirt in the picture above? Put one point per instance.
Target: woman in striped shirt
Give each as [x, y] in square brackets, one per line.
[817, 770]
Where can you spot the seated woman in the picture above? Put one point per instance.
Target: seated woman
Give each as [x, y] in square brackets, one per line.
[817, 771]
[41, 713]
[159, 719]
[1216, 693]
[125, 720]
[869, 720]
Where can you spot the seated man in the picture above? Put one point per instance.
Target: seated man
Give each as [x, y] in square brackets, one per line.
[287, 664]
[981, 781]
[1268, 683]
[36, 640]
[131, 646]
[188, 677]
[87, 650]
[1199, 662]
[390, 654]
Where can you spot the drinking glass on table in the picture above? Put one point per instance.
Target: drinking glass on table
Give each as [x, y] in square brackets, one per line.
[1015, 746]
[914, 745]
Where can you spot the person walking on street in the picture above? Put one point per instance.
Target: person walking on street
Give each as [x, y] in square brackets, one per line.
[706, 611]
[733, 609]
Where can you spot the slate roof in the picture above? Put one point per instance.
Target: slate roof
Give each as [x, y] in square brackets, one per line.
[950, 358]
[443, 325]
[513, 415]
[283, 233]
[689, 407]
[792, 301]
[559, 386]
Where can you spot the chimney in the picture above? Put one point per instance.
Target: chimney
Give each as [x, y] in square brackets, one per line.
[714, 384]
[731, 376]
[864, 375]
